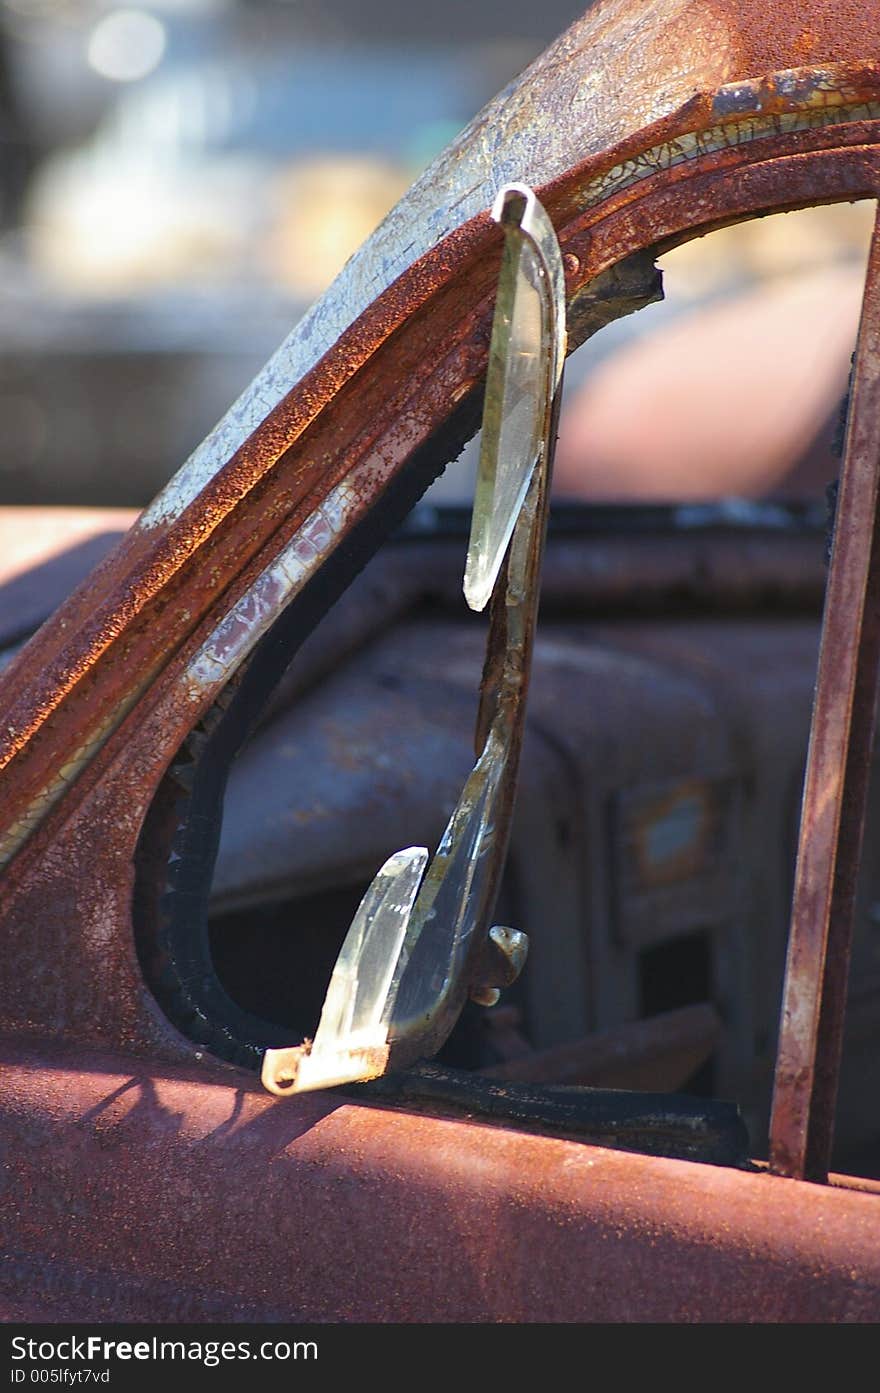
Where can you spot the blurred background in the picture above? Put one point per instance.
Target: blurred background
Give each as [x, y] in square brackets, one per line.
[181, 178]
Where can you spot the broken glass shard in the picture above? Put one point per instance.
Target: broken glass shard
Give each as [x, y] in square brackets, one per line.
[453, 899]
[351, 1040]
[409, 959]
[513, 419]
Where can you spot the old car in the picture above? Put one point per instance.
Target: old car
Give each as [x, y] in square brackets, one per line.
[200, 782]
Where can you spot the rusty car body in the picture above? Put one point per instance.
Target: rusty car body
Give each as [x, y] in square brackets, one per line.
[146, 1176]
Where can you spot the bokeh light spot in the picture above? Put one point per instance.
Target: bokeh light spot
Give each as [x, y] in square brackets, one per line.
[126, 45]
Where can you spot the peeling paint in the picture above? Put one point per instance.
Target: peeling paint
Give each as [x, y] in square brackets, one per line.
[723, 136]
[257, 609]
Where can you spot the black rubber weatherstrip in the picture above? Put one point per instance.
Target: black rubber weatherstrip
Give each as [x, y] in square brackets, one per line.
[654, 1124]
[177, 849]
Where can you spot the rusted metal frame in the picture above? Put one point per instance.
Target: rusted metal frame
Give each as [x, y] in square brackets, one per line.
[216, 498]
[621, 229]
[836, 784]
[119, 784]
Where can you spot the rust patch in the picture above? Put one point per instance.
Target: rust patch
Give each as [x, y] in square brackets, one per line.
[835, 791]
[154, 1195]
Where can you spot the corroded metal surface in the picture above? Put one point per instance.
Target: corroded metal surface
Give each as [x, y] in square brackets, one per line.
[836, 786]
[148, 1195]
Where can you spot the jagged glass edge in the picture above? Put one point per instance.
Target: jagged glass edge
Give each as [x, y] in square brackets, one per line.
[482, 565]
[356, 1010]
[531, 228]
